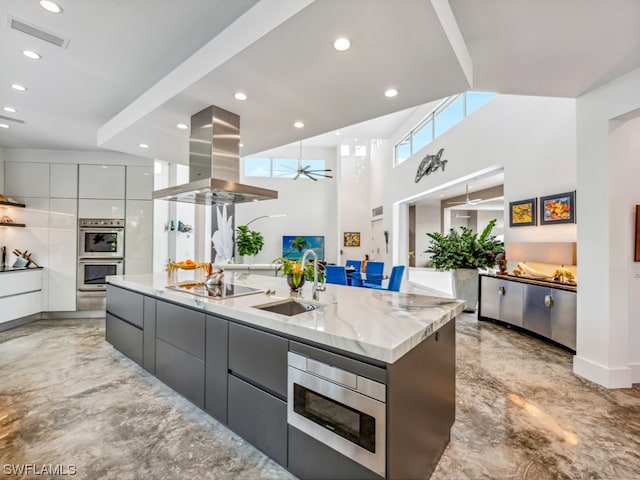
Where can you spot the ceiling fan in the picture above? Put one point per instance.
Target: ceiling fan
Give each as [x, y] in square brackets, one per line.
[468, 201]
[307, 171]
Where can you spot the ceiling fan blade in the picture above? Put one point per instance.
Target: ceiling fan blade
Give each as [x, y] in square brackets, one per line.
[312, 178]
[297, 175]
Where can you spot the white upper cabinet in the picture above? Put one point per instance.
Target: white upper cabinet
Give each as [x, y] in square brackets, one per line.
[63, 180]
[23, 179]
[101, 181]
[139, 183]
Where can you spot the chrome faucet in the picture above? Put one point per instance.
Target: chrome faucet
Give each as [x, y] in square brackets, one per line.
[316, 289]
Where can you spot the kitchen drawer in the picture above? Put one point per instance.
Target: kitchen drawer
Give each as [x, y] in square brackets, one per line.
[181, 327]
[181, 371]
[126, 304]
[125, 337]
[563, 318]
[310, 459]
[259, 357]
[259, 418]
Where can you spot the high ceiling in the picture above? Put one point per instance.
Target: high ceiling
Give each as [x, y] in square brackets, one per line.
[133, 69]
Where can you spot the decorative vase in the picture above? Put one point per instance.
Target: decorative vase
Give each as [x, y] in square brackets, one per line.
[465, 287]
[294, 286]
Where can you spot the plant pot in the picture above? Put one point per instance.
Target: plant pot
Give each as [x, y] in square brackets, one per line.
[295, 288]
[465, 287]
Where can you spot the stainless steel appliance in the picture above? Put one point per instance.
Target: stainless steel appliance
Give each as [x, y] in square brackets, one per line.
[341, 409]
[214, 163]
[100, 254]
[216, 292]
[101, 237]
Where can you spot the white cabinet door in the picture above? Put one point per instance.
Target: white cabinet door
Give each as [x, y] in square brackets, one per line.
[62, 267]
[23, 179]
[63, 180]
[101, 181]
[139, 183]
[88, 208]
[138, 237]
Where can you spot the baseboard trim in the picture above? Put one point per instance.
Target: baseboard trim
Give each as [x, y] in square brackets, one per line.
[604, 376]
[74, 314]
[635, 372]
[18, 322]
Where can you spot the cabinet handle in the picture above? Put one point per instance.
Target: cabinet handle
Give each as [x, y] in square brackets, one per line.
[548, 301]
[500, 290]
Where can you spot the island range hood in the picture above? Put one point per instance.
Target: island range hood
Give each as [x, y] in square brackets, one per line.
[214, 163]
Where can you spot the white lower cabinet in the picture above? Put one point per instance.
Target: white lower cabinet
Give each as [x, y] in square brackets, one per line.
[20, 294]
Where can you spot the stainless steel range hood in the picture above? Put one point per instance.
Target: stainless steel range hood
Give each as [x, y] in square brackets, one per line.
[214, 163]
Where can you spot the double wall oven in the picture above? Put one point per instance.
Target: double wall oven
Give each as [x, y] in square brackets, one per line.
[100, 253]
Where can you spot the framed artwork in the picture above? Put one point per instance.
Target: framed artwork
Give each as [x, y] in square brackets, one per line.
[559, 208]
[351, 239]
[522, 213]
[293, 246]
[637, 255]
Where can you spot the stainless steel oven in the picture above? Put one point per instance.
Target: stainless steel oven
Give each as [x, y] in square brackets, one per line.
[101, 238]
[341, 409]
[92, 273]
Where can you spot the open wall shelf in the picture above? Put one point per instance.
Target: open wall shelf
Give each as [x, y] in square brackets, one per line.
[3, 224]
[11, 204]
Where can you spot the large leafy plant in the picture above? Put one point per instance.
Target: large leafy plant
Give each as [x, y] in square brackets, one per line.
[464, 248]
[249, 242]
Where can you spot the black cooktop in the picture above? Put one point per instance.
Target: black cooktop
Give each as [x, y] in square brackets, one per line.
[215, 292]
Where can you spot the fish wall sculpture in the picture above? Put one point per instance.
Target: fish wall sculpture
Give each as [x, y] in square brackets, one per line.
[429, 164]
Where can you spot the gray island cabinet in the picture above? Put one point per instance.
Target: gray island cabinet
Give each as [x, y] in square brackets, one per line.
[274, 379]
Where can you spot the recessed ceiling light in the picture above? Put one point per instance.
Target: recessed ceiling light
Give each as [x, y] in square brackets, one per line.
[4, 125]
[182, 126]
[342, 44]
[50, 6]
[390, 92]
[19, 87]
[241, 145]
[298, 125]
[10, 109]
[240, 96]
[31, 54]
[337, 133]
[143, 145]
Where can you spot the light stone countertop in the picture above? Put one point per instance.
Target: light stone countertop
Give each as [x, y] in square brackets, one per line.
[376, 324]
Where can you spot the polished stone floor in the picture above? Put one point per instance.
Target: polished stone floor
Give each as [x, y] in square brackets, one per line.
[67, 398]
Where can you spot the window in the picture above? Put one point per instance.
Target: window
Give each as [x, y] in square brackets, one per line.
[278, 167]
[477, 99]
[257, 167]
[449, 116]
[450, 112]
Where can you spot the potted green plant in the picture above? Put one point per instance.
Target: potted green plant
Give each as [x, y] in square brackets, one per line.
[297, 273]
[249, 242]
[464, 252]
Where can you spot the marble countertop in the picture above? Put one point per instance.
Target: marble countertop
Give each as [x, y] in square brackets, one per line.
[376, 324]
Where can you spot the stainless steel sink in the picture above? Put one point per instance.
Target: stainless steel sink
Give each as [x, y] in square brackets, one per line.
[289, 306]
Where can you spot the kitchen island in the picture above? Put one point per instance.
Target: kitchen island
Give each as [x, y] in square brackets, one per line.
[361, 385]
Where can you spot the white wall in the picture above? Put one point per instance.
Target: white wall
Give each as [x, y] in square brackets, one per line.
[427, 221]
[311, 207]
[2, 168]
[608, 340]
[354, 210]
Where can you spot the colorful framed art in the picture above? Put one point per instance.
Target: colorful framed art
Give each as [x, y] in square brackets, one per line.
[522, 213]
[558, 208]
[351, 239]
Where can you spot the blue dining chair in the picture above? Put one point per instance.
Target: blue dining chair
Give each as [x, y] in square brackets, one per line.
[357, 264]
[395, 280]
[374, 273]
[336, 274]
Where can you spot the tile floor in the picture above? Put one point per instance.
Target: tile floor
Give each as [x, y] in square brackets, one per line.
[67, 398]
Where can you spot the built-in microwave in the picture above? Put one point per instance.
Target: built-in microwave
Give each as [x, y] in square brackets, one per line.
[100, 238]
[343, 410]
